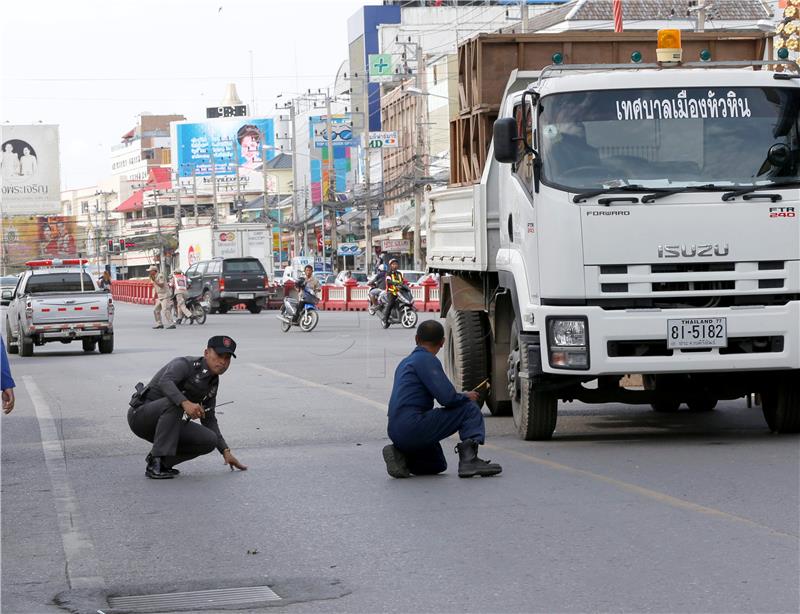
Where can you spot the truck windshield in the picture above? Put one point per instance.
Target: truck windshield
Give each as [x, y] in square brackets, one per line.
[670, 138]
[59, 282]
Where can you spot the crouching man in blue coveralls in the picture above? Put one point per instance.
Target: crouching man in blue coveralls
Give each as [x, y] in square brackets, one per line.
[416, 427]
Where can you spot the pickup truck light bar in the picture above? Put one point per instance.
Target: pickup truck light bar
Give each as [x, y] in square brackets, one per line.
[52, 263]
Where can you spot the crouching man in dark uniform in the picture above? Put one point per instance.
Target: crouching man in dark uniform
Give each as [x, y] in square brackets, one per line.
[416, 427]
[163, 411]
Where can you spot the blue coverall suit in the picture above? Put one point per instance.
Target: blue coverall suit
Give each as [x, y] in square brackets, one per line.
[415, 426]
[6, 381]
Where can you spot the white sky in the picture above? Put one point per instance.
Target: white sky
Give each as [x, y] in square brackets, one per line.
[92, 65]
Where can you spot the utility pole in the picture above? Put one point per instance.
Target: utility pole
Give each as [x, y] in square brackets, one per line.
[214, 185]
[158, 232]
[295, 186]
[330, 193]
[523, 11]
[420, 161]
[177, 202]
[194, 194]
[267, 220]
[367, 188]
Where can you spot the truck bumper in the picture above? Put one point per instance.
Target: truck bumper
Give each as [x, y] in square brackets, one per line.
[58, 332]
[259, 296]
[634, 341]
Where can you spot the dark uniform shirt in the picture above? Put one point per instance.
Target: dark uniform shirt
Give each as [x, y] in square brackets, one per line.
[418, 380]
[188, 378]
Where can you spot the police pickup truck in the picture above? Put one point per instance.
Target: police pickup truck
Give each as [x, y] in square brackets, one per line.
[57, 300]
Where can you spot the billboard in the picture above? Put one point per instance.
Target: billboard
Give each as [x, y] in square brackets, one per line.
[31, 237]
[217, 148]
[29, 168]
[323, 188]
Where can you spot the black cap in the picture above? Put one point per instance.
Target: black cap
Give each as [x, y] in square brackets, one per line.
[222, 344]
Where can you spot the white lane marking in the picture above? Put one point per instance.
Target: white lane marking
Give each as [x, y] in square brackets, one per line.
[647, 493]
[307, 382]
[83, 567]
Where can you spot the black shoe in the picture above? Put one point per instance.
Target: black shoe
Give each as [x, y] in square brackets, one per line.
[158, 326]
[386, 323]
[156, 471]
[164, 468]
[395, 462]
[170, 326]
[179, 321]
[470, 465]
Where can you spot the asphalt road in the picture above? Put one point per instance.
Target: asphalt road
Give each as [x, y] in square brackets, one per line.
[624, 511]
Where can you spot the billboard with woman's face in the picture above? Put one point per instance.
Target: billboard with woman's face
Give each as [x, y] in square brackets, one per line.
[210, 150]
[29, 169]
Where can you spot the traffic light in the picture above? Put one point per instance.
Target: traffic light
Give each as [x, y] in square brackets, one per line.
[122, 245]
[110, 245]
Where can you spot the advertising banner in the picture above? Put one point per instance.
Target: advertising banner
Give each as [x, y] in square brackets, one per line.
[383, 140]
[29, 169]
[31, 237]
[323, 187]
[218, 148]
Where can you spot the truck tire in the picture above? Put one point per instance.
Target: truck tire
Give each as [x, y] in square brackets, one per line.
[781, 406]
[13, 348]
[496, 407]
[88, 344]
[25, 343]
[254, 309]
[666, 404]
[106, 344]
[206, 298]
[535, 411]
[465, 358]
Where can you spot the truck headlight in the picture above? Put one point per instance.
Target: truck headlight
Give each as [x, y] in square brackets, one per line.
[568, 343]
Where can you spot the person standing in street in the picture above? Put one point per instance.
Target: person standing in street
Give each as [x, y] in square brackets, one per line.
[163, 412]
[105, 281]
[416, 427]
[6, 381]
[179, 287]
[163, 308]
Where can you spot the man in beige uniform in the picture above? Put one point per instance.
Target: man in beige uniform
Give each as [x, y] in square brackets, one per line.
[179, 287]
[163, 298]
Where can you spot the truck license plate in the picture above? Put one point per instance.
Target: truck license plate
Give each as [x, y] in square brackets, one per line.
[246, 295]
[697, 333]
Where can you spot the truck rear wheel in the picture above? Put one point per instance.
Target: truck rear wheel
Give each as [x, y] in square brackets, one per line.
[13, 348]
[535, 411]
[465, 357]
[781, 405]
[25, 344]
[106, 344]
[88, 344]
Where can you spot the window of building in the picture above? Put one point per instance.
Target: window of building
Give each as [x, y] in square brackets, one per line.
[85, 207]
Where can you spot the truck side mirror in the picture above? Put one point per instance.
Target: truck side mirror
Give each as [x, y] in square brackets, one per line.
[7, 296]
[506, 138]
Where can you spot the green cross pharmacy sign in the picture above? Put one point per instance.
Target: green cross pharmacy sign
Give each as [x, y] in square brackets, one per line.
[380, 67]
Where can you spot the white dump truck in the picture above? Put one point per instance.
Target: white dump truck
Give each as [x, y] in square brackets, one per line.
[630, 219]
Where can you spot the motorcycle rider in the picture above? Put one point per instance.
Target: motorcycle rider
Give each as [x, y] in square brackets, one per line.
[306, 284]
[376, 283]
[394, 279]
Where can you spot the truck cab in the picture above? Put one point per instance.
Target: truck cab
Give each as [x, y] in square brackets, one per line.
[632, 219]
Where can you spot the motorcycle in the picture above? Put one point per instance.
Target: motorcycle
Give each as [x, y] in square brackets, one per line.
[404, 311]
[196, 306]
[302, 313]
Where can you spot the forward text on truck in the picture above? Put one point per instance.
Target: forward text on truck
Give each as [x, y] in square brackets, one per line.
[637, 218]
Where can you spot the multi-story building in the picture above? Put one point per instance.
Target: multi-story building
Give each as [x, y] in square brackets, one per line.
[145, 146]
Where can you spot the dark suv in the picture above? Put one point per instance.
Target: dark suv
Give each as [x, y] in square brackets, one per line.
[225, 282]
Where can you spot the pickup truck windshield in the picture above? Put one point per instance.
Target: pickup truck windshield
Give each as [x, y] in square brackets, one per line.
[243, 266]
[670, 138]
[58, 282]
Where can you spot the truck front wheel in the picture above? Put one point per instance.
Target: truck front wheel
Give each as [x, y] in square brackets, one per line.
[535, 411]
[781, 405]
[465, 356]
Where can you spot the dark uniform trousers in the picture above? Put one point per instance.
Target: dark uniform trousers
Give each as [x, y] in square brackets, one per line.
[417, 434]
[161, 423]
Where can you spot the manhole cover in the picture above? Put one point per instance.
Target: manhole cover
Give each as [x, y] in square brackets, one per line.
[194, 599]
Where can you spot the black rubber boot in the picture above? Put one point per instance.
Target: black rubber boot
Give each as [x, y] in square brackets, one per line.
[164, 467]
[396, 465]
[470, 465]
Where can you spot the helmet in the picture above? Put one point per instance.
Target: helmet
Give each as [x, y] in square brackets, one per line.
[382, 267]
[394, 260]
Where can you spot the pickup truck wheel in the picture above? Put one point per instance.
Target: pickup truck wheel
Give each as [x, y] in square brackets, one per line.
[781, 405]
[465, 356]
[106, 344]
[88, 344]
[535, 411]
[13, 348]
[25, 344]
[254, 309]
[223, 308]
[206, 298]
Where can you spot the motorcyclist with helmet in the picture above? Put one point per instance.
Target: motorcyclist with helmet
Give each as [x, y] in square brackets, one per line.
[394, 279]
[376, 283]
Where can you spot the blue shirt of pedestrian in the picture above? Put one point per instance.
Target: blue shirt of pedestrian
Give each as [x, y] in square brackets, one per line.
[6, 381]
[419, 380]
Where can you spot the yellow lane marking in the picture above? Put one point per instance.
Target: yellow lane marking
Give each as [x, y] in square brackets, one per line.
[647, 493]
